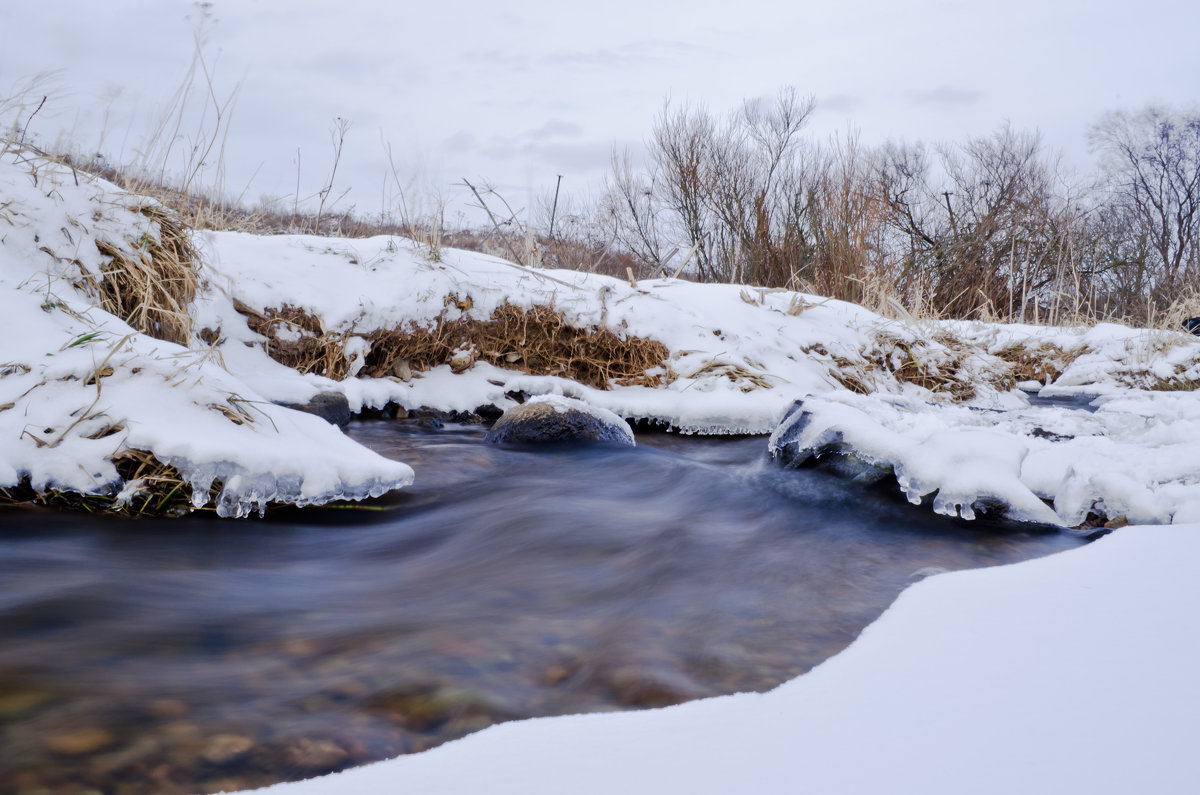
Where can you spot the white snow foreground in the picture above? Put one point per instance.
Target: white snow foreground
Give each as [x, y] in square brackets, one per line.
[79, 387]
[1071, 673]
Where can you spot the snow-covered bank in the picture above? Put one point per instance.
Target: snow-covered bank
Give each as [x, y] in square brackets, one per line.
[942, 410]
[80, 388]
[1073, 673]
[1136, 456]
[387, 321]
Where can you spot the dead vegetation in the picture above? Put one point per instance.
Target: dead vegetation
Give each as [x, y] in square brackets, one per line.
[538, 341]
[944, 365]
[151, 289]
[1043, 362]
[152, 488]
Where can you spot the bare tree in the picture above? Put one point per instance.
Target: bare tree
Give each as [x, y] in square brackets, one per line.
[983, 229]
[1152, 160]
[730, 189]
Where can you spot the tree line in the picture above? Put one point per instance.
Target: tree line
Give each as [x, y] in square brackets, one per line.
[988, 228]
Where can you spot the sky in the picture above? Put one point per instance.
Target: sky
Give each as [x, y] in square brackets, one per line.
[516, 93]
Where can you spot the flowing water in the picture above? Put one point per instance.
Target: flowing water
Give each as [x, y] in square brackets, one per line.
[192, 655]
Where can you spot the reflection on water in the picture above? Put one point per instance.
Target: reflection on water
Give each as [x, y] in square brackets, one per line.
[195, 655]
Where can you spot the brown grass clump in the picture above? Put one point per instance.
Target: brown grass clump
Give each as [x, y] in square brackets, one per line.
[160, 491]
[1042, 363]
[296, 338]
[538, 341]
[153, 290]
[936, 368]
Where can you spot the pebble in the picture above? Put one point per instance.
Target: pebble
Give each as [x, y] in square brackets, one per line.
[167, 708]
[15, 704]
[313, 755]
[77, 742]
[224, 747]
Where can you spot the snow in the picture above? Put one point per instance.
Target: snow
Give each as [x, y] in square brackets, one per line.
[1135, 456]
[1072, 673]
[79, 387]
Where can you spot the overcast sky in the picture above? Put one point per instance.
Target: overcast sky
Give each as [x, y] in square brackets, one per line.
[519, 91]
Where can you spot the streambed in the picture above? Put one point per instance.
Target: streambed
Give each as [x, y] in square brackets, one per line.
[193, 655]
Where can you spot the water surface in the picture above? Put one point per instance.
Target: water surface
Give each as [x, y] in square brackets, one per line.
[200, 654]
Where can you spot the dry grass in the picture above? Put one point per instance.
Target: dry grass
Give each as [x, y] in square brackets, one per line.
[938, 366]
[538, 341]
[152, 489]
[152, 290]
[1043, 362]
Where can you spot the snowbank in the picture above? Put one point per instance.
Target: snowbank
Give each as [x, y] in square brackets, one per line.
[1135, 456]
[80, 389]
[1072, 673]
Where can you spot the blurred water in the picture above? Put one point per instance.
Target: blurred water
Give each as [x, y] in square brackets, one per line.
[198, 654]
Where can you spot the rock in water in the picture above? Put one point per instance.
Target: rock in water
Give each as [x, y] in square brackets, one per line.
[550, 418]
[792, 446]
[329, 406]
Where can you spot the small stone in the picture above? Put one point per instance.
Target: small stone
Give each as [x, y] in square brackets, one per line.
[78, 742]
[555, 674]
[314, 755]
[15, 704]
[333, 407]
[224, 747]
[167, 708]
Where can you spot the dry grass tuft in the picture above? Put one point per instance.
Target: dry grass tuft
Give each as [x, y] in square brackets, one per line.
[152, 290]
[152, 489]
[538, 341]
[746, 380]
[937, 367]
[1043, 363]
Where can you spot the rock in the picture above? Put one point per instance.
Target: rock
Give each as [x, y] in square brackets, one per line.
[15, 704]
[78, 742]
[550, 418]
[329, 406]
[225, 747]
[310, 755]
[828, 451]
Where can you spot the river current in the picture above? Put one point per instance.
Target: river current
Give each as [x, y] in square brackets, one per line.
[198, 654]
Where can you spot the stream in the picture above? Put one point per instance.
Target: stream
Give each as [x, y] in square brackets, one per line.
[198, 654]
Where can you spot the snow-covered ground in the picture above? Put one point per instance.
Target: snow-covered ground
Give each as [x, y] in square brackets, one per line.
[1069, 674]
[79, 387]
[934, 403]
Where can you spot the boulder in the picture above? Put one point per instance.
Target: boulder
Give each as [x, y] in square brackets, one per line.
[329, 406]
[550, 418]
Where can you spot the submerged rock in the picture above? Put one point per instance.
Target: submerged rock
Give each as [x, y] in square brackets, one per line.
[550, 418]
[329, 406]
